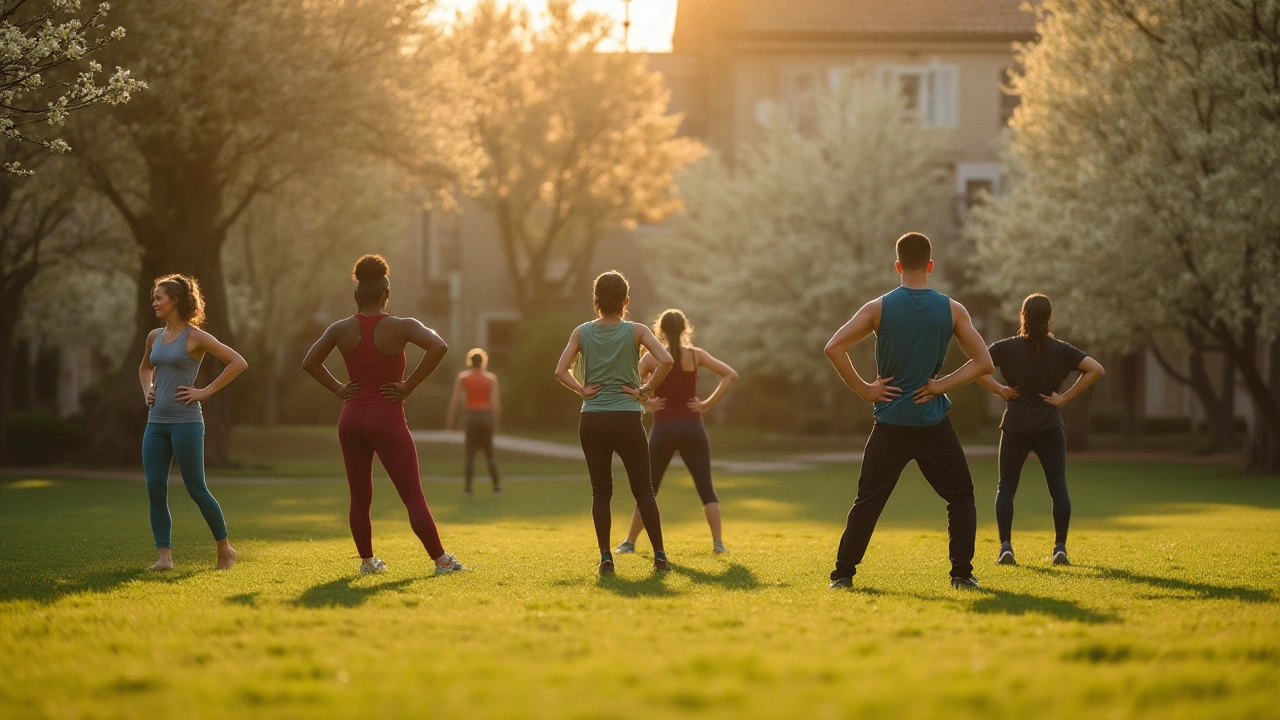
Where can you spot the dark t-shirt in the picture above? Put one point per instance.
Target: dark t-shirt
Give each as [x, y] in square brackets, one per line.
[1032, 377]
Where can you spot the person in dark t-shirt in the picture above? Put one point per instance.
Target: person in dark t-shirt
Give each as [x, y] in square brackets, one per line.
[1034, 364]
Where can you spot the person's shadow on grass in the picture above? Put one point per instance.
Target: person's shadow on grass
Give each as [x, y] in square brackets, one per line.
[654, 585]
[734, 577]
[344, 592]
[1195, 590]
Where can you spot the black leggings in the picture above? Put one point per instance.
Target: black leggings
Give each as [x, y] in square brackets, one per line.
[1051, 447]
[602, 434]
[690, 438]
[480, 438]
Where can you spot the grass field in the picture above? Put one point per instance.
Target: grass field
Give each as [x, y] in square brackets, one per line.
[1171, 611]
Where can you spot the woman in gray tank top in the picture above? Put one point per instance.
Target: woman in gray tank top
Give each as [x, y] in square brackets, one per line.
[175, 423]
[613, 407]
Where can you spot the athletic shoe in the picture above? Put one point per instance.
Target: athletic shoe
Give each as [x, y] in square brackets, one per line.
[1006, 555]
[841, 583]
[1060, 555]
[660, 563]
[965, 583]
[606, 567]
[466, 492]
[718, 548]
[626, 547]
[374, 568]
[452, 567]
[498, 490]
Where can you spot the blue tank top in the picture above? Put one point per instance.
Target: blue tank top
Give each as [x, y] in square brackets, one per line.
[174, 368]
[915, 330]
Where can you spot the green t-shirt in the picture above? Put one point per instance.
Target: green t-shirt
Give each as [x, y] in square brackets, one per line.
[610, 359]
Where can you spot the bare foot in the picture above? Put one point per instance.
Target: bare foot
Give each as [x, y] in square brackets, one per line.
[226, 555]
[164, 562]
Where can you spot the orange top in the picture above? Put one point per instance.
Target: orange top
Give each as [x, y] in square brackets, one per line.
[478, 387]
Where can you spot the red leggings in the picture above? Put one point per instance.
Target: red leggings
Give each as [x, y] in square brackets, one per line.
[367, 429]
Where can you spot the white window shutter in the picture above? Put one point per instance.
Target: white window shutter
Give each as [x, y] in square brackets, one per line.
[945, 103]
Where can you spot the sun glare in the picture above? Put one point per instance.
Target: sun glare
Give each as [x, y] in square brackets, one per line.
[651, 20]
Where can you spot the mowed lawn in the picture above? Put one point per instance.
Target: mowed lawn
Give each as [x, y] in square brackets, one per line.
[1171, 611]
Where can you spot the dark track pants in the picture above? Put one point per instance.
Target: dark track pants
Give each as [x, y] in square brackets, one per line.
[938, 453]
[479, 438]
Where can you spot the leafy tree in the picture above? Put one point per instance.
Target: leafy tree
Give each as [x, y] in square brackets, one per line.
[576, 142]
[293, 252]
[1147, 156]
[248, 96]
[46, 72]
[773, 253]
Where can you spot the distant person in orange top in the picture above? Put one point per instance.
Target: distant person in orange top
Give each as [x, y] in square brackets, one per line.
[484, 409]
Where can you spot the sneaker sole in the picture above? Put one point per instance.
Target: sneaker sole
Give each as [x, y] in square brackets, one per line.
[1006, 559]
[1061, 559]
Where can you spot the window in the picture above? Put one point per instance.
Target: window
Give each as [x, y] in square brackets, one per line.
[1008, 101]
[499, 337]
[800, 98]
[973, 180]
[441, 245]
[929, 93]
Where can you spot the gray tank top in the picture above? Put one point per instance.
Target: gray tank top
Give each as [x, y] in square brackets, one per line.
[174, 368]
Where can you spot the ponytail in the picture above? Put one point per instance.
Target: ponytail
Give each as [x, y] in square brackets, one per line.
[673, 328]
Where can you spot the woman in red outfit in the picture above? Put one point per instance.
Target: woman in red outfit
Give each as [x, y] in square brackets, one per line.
[372, 345]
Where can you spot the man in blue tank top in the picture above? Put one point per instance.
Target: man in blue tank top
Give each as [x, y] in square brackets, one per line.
[913, 326]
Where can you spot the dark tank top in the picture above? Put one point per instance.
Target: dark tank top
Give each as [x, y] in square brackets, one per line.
[678, 388]
[369, 367]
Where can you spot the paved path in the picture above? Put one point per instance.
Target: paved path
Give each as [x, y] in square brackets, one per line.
[565, 451]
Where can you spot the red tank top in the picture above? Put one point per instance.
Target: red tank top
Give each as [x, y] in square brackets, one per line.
[369, 367]
[477, 386]
[678, 388]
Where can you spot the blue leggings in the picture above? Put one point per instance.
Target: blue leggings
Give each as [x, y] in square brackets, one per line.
[160, 444]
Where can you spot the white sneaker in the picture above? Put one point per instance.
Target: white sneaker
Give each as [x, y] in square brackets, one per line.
[452, 567]
[374, 568]
[625, 547]
[718, 548]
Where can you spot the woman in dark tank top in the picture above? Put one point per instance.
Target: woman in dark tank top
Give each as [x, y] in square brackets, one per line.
[1034, 364]
[677, 419]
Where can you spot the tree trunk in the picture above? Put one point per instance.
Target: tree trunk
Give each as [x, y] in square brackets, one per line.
[1222, 427]
[1130, 379]
[182, 234]
[1264, 452]
[8, 321]
[271, 404]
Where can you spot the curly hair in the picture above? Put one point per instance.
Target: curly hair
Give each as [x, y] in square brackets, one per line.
[370, 274]
[184, 290]
[674, 330]
[1034, 319]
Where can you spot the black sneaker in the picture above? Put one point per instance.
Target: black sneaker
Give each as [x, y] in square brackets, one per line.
[660, 563]
[1060, 555]
[965, 583]
[1006, 555]
[841, 583]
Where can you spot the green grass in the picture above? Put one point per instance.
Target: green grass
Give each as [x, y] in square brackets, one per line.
[1172, 611]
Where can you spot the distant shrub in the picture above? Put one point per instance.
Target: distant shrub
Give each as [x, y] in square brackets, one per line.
[44, 438]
